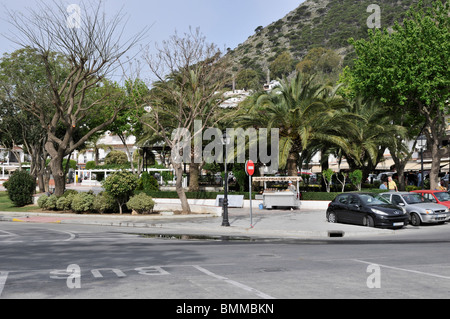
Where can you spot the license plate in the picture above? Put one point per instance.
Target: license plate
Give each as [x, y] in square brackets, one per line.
[442, 216]
[399, 224]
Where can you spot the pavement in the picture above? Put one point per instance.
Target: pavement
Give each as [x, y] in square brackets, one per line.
[283, 224]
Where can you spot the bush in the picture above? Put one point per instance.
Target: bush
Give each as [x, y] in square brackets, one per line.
[147, 182]
[50, 204]
[21, 187]
[141, 203]
[69, 192]
[90, 165]
[104, 203]
[82, 202]
[42, 201]
[116, 157]
[65, 202]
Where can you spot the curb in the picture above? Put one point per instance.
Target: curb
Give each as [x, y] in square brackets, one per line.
[156, 225]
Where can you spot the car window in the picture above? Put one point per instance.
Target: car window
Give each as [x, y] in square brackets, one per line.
[369, 199]
[442, 196]
[430, 197]
[415, 198]
[396, 200]
[343, 199]
[386, 197]
[354, 200]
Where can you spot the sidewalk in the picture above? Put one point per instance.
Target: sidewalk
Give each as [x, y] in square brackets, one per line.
[298, 224]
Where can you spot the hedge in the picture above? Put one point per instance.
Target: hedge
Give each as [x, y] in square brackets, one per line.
[212, 195]
[192, 195]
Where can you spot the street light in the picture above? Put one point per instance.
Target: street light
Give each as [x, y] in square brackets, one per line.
[225, 223]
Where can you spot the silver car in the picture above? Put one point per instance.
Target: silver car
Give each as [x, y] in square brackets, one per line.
[420, 209]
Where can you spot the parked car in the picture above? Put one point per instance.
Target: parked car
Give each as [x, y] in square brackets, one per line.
[419, 209]
[439, 197]
[366, 209]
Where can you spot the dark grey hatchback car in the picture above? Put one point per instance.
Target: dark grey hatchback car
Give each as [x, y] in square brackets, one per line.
[366, 209]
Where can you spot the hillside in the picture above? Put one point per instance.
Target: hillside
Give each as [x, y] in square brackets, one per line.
[315, 23]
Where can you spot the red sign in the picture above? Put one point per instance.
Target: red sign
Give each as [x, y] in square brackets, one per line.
[250, 168]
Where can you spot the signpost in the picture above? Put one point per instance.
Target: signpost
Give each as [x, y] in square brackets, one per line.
[250, 170]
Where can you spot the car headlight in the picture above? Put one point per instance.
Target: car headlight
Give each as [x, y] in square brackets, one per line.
[404, 210]
[379, 212]
[429, 212]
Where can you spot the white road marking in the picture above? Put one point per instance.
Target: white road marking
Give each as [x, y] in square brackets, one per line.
[234, 283]
[403, 269]
[7, 234]
[3, 276]
[72, 236]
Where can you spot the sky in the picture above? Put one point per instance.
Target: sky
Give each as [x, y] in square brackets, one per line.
[226, 23]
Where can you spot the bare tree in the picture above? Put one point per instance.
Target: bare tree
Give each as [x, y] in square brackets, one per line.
[92, 46]
[190, 76]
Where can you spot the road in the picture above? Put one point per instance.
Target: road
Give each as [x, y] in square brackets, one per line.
[43, 261]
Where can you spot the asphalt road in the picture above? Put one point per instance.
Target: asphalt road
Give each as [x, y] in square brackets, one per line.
[42, 261]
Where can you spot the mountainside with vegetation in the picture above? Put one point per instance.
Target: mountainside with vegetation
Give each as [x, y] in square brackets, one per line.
[324, 24]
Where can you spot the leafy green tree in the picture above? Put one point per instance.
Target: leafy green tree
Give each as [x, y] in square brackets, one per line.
[22, 78]
[75, 77]
[282, 65]
[116, 157]
[410, 67]
[248, 79]
[323, 62]
[327, 176]
[356, 177]
[121, 186]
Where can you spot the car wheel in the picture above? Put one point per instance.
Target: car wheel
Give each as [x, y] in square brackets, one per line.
[368, 221]
[415, 219]
[332, 218]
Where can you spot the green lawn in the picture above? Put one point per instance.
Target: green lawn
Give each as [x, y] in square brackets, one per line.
[7, 206]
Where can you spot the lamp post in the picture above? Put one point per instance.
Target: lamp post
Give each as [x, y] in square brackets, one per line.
[225, 223]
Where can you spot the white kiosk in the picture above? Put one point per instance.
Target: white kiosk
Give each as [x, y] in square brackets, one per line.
[279, 198]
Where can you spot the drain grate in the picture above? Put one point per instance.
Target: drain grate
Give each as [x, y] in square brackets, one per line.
[272, 270]
[335, 233]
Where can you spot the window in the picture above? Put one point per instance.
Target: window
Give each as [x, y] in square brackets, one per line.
[343, 199]
[354, 200]
[430, 197]
[396, 200]
[442, 196]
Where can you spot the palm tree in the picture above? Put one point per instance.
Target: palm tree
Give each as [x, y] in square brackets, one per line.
[304, 112]
[372, 135]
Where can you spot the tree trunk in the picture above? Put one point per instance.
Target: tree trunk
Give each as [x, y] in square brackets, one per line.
[186, 210]
[123, 138]
[436, 155]
[58, 175]
[291, 164]
[41, 182]
[120, 206]
[194, 173]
